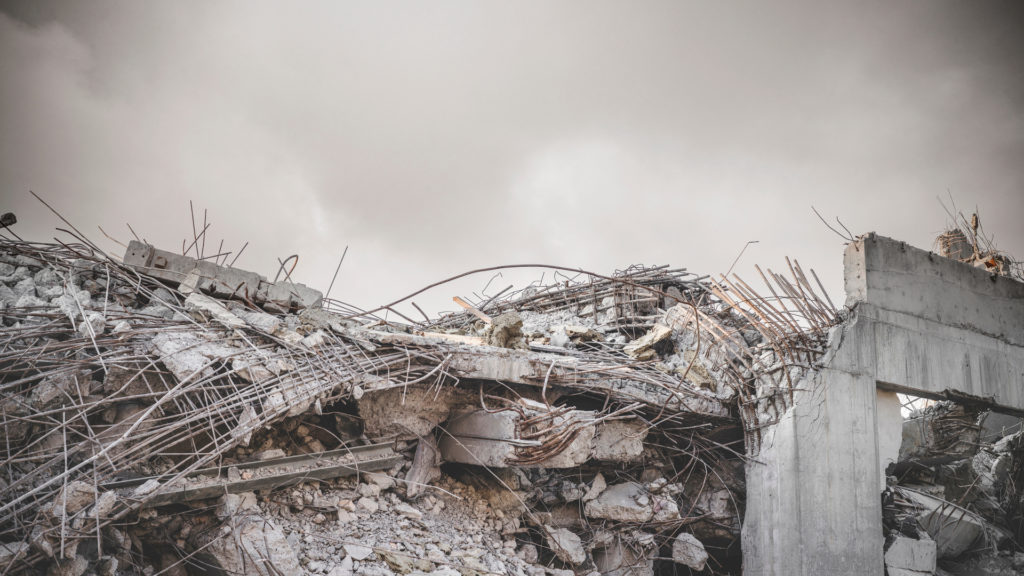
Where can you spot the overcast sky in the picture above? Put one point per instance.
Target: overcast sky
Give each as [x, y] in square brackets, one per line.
[435, 137]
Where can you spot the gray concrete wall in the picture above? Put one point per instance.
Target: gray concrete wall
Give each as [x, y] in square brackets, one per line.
[920, 324]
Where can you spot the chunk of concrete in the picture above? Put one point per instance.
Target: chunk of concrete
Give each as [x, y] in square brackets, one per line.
[481, 438]
[955, 530]
[596, 487]
[910, 554]
[626, 502]
[12, 551]
[619, 558]
[213, 310]
[426, 466]
[94, 325]
[619, 440]
[74, 497]
[254, 545]
[643, 347]
[566, 545]
[405, 412]
[689, 551]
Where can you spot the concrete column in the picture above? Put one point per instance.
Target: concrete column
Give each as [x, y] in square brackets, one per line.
[813, 495]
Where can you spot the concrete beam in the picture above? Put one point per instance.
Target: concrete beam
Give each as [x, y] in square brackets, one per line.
[891, 275]
[219, 281]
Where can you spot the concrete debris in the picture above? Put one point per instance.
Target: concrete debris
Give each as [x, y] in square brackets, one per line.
[626, 502]
[567, 546]
[688, 551]
[170, 414]
[236, 424]
[910, 556]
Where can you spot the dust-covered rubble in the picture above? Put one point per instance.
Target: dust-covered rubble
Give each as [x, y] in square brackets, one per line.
[166, 414]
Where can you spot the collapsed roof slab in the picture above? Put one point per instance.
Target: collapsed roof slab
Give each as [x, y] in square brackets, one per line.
[919, 323]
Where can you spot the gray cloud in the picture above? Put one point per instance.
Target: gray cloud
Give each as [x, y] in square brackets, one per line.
[437, 137]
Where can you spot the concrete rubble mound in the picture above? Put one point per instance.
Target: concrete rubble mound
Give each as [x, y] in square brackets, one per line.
[165, 414]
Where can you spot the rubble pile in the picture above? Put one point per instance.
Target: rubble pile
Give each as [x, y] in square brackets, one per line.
[955, 501]
[165, 414]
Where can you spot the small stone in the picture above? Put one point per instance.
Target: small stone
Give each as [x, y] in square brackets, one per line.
[93, 325]
[368, 504]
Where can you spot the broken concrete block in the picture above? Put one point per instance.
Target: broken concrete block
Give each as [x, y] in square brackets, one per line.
[942, 433]
[12, 551]
[287, 295]
[619, 440]
[93, 325]
[405, 412]
[481, 438]
[566, 545]
[954, 529]
[213, 310]
[190, 354]
[73, 498]
[426, 466]
[643, 347]
[665, 509]
[253, 545]
[357, 552]
[910, 554]
[689, 551]
[619, 558]
[596, 487]
[626, 502]
[26, 287]
[506, 331]
[259, 320]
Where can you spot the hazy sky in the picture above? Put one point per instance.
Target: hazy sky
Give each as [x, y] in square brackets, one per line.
[435, 137]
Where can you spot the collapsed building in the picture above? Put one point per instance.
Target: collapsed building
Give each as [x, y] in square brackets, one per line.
[165, 414]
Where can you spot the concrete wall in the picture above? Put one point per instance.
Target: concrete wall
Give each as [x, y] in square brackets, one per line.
[921, 324]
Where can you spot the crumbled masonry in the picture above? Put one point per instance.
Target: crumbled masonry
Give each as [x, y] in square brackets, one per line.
[164, 414]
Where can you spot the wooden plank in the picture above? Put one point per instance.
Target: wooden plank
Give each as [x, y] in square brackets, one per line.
[472, 309]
